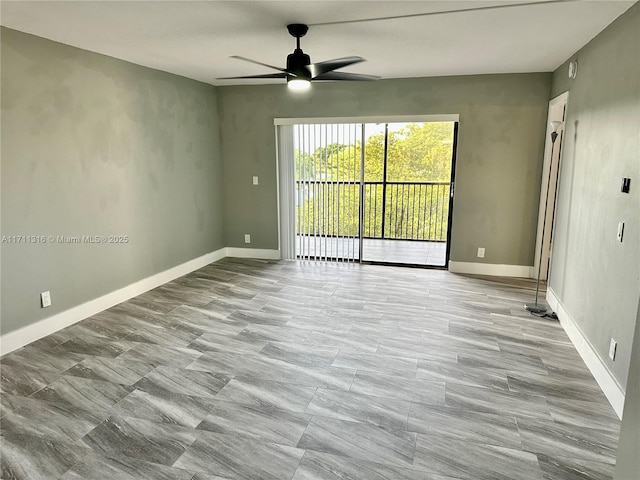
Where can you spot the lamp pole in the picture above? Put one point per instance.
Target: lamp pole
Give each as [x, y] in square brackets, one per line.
[535, 308]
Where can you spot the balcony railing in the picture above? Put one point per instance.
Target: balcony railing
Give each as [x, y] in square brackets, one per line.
[392, 210]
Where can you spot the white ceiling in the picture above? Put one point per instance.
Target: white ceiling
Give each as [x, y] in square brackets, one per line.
[196, 39]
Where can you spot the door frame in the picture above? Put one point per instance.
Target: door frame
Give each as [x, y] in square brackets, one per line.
[556, 112]
[452, 192]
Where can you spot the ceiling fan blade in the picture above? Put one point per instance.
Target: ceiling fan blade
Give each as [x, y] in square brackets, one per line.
[329, 65]
[268, 75]
[258, 63]
[344, 76]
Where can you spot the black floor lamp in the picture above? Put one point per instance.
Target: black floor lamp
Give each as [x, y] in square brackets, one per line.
[536, 308]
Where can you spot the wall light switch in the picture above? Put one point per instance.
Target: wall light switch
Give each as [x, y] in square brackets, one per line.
[620, 231]
[626, 185]
[255, 180]
[480, 252]
[45, 299]
[612, 349]
[247, 238]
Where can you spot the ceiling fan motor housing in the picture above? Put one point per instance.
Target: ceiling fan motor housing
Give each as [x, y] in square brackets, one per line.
[297, 64]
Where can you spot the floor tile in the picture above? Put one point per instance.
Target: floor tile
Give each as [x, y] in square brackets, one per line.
[265, 393]
[584, 413]
[214, 342]
[96, 345]
[101, 467]
[416, 349]
[163, 407]
[161, 355]
[375, 363]
[83, 393]
[465, 460]
[55, 421]
[502, 360]
[451, 373]
[25, 457]
[379, 411]
[54, 360]
[237, 457]
[110, 370]
[322, 466]
[19, 380]
[170, 337]
[498, 402]
[550, 438]
[454, 341]
[411, 389]
[554, 468]
[343, 342]
[465, 425]
[140, 439]
[262, 367]
[360, 441]
[273, 333]
[179, 380]
[257, 317]
[261, 423]
[303, 355]
[551, 386]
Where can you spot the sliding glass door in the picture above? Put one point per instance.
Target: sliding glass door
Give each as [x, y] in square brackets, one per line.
[328, 160]
[374, 192]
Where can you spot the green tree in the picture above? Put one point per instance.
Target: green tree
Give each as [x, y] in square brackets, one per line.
[417, 153]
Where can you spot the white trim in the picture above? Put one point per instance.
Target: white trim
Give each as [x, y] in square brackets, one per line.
[25, 335]
[259, 253]
[491, 269]
[608, 383]
[445, 117]
[562, 98]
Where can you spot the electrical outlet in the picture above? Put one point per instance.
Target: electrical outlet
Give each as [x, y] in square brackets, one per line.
[255, 180]
[612, 349]
[247, 238]
[620, 231]
[480, 252]
[45, 299]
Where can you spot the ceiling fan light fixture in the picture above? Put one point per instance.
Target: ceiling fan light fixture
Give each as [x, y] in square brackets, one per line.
[298, 83]
[300, 72]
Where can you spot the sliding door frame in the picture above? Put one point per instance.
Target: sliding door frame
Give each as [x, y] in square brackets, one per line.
[452, 192]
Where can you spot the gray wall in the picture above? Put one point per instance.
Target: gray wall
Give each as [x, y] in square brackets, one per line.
[501, 141]
[628, 460]
[96, 146]
[596, 278]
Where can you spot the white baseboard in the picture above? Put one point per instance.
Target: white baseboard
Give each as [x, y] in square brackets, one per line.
[609, 385]
[23, 336]
[495, 269]
[260, 253]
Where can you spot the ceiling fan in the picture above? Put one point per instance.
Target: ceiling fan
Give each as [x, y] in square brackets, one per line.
[300, 71]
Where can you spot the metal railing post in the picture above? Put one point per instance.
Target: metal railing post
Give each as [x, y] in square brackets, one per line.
[384, 177]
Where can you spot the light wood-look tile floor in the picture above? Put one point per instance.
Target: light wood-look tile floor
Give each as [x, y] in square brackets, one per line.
[262, 370]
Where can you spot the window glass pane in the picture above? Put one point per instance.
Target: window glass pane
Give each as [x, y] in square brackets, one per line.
[420, 152]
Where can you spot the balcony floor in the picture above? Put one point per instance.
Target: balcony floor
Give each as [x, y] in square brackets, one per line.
[388, 251]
